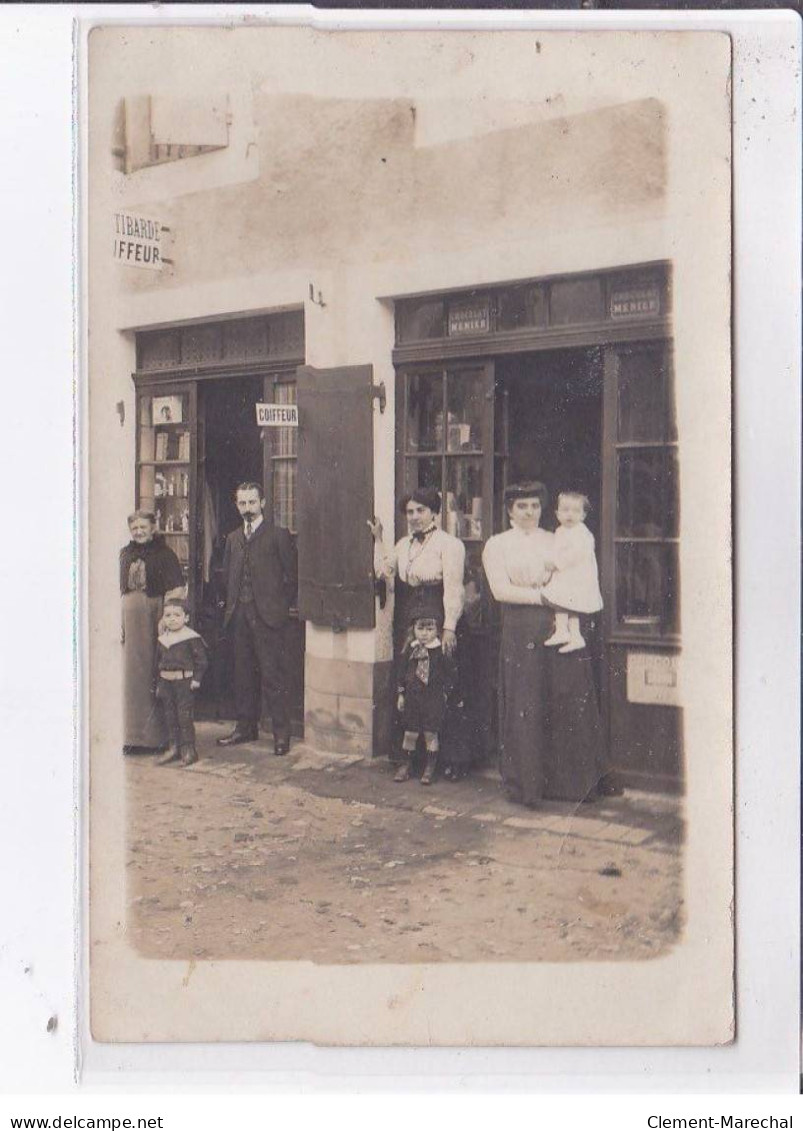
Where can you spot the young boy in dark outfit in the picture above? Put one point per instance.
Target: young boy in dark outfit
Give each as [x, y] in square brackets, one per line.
[425, 681]
[180, 662]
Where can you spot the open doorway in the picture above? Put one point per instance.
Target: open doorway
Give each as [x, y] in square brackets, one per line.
[553, 404]
[554, 412]
[233, 455]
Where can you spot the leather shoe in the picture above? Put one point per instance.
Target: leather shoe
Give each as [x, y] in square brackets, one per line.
[237, 737]
[281, 745]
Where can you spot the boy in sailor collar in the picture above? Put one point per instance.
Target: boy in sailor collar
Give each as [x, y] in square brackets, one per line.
[180, 662]
[424, 685]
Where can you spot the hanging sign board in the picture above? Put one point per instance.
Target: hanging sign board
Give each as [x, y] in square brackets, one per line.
[652, 677]
[635, 302]
[138, 241]
[277, 415]
[470, 317]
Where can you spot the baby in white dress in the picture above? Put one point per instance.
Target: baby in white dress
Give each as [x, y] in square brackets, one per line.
[574, 585]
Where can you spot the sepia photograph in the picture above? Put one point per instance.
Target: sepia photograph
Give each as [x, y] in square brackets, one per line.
[408, 510]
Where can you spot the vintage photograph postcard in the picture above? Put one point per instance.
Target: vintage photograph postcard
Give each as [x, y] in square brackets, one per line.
[409, 535]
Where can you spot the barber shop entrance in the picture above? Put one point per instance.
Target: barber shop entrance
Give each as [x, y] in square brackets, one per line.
[565, 380]
[197, 439]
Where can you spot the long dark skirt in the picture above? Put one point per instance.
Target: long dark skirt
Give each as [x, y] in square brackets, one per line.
[144, 721]
[551, 743]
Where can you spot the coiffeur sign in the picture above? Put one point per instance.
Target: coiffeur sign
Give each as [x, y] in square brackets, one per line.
[138, 241]
[277, 415]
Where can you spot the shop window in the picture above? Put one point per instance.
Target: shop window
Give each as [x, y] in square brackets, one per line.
[521, 307]
[646, 493]
[424, 431]
[419, 320]
[163, 467]
[574, 301]
[463, 499]
[446, 416]
[453, 440]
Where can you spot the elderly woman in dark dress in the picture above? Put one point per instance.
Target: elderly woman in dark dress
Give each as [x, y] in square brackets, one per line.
[427, 567]
[551, 742]
[149, 572]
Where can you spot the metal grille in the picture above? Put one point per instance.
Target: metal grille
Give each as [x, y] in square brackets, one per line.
[245, 339]
[201, 344]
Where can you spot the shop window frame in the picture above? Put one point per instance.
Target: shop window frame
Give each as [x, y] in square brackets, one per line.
[273, 441]
[618, 629]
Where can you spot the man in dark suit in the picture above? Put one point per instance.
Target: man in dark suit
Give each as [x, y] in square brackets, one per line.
[260, 573]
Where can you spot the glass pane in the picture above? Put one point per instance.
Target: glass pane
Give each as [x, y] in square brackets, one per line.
[164, 428]
[425, 412]
[578, 300]
[285, 440]
[419, 321]
[172, 514]
[424, 473]
[463, 504]
[170, 483]
[520, 307]
[647, 586]
[646, 495]
[284, 493]
[465, 399]
[641, 396]
[180, 545]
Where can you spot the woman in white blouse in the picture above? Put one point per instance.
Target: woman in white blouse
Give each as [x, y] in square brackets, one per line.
[550, 736]
[426, 568]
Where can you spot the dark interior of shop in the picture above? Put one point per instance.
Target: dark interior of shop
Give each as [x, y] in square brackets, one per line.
[233, 455]
[554, 406]
[554, 414]
[233, 445]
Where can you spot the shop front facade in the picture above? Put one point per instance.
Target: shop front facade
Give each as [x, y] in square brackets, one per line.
[456, 314]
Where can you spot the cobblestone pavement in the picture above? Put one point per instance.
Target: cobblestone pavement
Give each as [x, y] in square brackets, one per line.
[325, 858]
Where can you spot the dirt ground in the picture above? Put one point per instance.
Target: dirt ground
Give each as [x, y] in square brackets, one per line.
[326, 859]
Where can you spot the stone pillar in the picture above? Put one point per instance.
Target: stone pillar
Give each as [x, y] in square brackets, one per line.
[348, 675]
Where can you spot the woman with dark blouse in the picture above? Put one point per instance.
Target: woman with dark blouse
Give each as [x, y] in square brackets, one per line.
[149, 572]
[551, 742]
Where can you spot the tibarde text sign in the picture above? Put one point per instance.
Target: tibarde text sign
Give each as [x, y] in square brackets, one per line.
[138, 241]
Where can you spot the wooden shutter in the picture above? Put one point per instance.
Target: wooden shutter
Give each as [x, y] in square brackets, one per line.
[336, 496]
